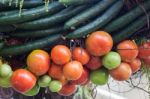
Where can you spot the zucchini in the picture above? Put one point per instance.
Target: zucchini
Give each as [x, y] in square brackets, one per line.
[7, 28]
[1, 44]
[98, 22]
[14, 50]
[51, 20]
[131, 29]
[31, 14]
[88, 14]
[77, 2]
[127, 18]
[38, 33]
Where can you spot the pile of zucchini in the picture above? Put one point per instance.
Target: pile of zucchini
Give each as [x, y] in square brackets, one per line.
[44, 22]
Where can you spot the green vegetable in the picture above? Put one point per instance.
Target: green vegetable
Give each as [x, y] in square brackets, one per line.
[7, 28]
[77, 2]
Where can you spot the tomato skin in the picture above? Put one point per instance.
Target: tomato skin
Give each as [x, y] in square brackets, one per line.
[144, 50]
[94, 63]
[121, 73]
[99, 43]
[128, 50]
[135, 65]
[73, 70]
[22, 80]
[147, 61]
[38, 62]
[81, 55]
[68, 90]
[61, 54]
[63, 80]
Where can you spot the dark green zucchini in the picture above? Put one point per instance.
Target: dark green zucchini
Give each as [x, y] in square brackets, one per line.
[88, 13]
[7, 28]
[38, 33]
[98, 22]
[52, 20]
[77, 2]
[127, 18]
[31, 14]
[21, 49]
[132, 28]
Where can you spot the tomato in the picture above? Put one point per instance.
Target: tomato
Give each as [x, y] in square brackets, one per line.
[55, 86]
[38, 62]
[73, 70]
[22, 80]
[81, 55]
[5, 70]
[94, 63]
[144, 50]
[99, 43]
[61, 54]
[55, 71]
[121, 73]
[83, 78]
[128, 50]
[44, 81]
[68, 90]
[147, 61]
[34, 91]
[63, 80]
[135, 65]
[5, 82]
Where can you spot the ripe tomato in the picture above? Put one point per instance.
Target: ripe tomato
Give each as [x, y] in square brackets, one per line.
[73, 70]
[38, 62]
[23, 80]
[63, 80]
[147, 61]
[81, 55]
[99, 43]
[94, 63]
[121, 73]
[60, 54]
[128, 50]
[144, 50]
[55, 71]
[68, 90]
[135, 65]
[83, 78]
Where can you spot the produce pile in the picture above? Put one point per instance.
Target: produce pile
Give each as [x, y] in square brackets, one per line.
[64, 44]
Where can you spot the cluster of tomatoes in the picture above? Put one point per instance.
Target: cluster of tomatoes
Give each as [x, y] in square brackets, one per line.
[62, 69]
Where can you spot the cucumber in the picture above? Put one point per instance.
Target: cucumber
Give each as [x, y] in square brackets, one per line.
[6, 13]
[37, 44]
[7, 28]
[98, 22]
[31, 14]
[38, 33]
[127, 18]
[131, 29]
[1, 44]
[77, 2]
[88, 14]
[52, 20]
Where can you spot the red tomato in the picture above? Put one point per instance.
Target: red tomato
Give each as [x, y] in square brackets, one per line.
[147, 61]
[63, 80]
[23, 80]
[73, 70]
[38, 62]
[128, 50]
[99, 43]
[135, 65]
[121, 73]
[144, 50]
[61, 54]
[83, 78]
[81, 55]
[94, 63]
[68, 90]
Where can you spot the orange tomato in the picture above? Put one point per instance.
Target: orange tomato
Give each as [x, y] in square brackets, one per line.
[99, 43]
[63, 80]
[128, 50]
[81, 55]
[60, 54]
[73, 70]
[135, 65]
[38, 62]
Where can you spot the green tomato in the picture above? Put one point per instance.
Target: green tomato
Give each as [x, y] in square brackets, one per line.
[111, 60]
[55, 86]
[99, 77]
[44, 81]
[5, 70]
[34, 91]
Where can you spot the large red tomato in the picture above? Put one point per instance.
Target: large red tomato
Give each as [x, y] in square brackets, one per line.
[81, 55]
[121, 73]
[128, 50]
[99, 43]
[135, 65]
[38, 62]
[23, 80]
[60, 54]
